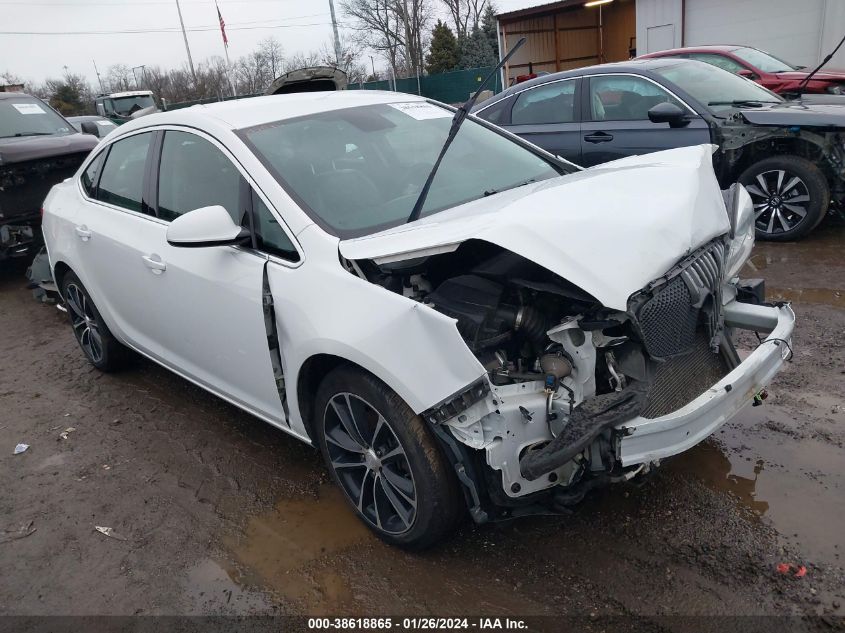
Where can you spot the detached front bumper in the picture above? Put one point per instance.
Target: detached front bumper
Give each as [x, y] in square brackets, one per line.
[645, 440]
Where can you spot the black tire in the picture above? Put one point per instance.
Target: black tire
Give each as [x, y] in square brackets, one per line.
[95, 339]
[782, 188]
[412, 498]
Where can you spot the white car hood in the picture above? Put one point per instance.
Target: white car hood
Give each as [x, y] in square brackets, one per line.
[610, 229]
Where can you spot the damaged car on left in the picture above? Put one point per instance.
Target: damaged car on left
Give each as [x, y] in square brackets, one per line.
[38, 148]
[460, 322]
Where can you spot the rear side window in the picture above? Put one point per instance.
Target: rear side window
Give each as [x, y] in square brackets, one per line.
[270, 237]
[92, 174]
[498, 113]
[122, 181]
[195, 174]
[551, 103]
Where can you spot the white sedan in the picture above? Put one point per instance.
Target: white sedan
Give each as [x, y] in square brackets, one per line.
[540, 330]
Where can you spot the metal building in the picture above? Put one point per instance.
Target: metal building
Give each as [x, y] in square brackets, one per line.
[573, 33]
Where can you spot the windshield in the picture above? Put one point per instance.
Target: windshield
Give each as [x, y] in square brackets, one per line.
[130, 105]
[718, 89]
[765, 62]
[360, 170]
[25, 116]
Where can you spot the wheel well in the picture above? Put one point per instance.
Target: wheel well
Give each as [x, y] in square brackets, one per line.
[778, 146]
[310, 375]
[59, 271]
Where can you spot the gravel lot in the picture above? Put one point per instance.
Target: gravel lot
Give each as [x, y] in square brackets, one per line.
[218, 513]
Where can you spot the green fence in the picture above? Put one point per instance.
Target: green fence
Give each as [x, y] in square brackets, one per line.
[453, 87]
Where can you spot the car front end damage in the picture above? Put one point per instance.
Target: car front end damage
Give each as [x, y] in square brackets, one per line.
[583, 386]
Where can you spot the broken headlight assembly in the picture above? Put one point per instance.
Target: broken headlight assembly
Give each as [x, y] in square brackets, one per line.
[741, 214]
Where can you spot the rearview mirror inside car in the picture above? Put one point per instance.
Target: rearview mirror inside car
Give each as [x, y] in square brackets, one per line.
[206, 226]
[89, 127]
[668, 113]
[748, 74]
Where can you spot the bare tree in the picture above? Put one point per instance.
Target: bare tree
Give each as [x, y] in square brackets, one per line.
[272, 55]
[377, 26]
[466, 15]
[118, 78]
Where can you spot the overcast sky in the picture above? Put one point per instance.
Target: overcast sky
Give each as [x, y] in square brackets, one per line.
[300, 25]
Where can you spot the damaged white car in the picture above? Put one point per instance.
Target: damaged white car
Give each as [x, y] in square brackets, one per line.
[534, 330]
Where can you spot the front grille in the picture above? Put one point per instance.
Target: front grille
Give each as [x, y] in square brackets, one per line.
[668, 319]
[678, 381]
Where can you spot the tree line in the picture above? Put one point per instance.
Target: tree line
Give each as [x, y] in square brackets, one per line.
[400, 32]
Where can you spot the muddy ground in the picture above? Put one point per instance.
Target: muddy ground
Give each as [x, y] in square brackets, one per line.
[218, 513]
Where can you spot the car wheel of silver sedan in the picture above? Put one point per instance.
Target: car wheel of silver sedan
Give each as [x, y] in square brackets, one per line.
[790, 196]
[384, 459]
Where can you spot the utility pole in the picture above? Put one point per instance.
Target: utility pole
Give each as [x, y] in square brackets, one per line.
[187, 48]
[336, 36]
[374, 68]
[143, 68]
[100, 79]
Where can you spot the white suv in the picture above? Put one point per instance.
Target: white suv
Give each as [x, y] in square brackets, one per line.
[539, 331]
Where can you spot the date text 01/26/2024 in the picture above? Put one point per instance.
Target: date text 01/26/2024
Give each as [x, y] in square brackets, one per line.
[416, 623]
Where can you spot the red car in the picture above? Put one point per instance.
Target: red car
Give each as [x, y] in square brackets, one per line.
[767, 70]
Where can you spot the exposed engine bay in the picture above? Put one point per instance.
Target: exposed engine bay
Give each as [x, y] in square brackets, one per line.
[562, 370]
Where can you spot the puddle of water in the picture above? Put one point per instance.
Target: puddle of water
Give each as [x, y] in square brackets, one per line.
[825, 296]
[281, 548]
[822, 247]
[794, 482]
[209, 589]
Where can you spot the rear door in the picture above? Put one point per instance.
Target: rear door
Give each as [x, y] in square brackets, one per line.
[616, 122]
[547, 115]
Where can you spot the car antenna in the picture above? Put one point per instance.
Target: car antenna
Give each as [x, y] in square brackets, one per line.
[806, 80]
[457, 120]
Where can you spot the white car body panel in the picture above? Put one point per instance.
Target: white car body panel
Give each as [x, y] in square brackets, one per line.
[592, 228]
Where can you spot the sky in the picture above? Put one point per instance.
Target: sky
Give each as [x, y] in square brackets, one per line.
[38, 38]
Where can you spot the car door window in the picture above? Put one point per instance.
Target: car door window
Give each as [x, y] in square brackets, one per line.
[193, 173]
[625, 98]
[122, 180]
[92, 173]
[498, 113]
[719, 61]
[551, 103]
[270, 237]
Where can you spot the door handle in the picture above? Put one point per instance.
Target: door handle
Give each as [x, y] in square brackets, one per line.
[83, 232]
[154, 263]
[598, 137]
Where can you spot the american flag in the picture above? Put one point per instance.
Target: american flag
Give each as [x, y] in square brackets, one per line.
[222, 26]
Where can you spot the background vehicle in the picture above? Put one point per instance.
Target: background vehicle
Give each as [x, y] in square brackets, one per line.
[767, 70]
[503, 351]
[120, 107]
[97, 125]
[311, 79]
[38, 148]
[789, 154]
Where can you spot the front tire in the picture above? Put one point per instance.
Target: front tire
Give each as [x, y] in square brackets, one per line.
[790, 195]
[93, 335]
[385, 460]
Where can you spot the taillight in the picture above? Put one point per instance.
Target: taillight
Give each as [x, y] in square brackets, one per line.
[42, 213]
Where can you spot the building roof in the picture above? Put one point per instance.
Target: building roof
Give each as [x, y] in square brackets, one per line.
[549, 7]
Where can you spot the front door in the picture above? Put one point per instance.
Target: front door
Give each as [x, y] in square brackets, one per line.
[616, 122]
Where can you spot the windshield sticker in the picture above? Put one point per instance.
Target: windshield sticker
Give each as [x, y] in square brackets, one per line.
[105, 123]
[421, 110]
[28, 108]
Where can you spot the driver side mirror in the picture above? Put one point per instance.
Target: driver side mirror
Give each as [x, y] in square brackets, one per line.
[89, 127]
[746, 73]
[668, 113]
[206, 226]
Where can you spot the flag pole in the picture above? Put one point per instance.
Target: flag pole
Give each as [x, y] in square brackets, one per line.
[226, 50]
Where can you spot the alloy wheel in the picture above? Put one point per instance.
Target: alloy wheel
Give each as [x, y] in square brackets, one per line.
[781, 201]
[84, 321]
[370, 463]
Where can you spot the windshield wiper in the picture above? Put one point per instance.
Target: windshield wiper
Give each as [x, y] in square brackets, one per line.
[28, 134]
[490, 192]
[457, 120]
[751, 103]
[804, 83]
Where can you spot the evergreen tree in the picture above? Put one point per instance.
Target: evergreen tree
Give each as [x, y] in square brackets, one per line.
[476, 51]
[444, 53]
[488, 25]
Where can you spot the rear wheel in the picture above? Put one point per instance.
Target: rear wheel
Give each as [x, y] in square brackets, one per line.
[98, 344]
[385, 461]
[790, 196]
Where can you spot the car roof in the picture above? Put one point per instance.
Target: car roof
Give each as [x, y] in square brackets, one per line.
[242, 113]
[725, 48]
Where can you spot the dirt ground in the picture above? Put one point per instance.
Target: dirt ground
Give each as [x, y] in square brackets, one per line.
[214, 512]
